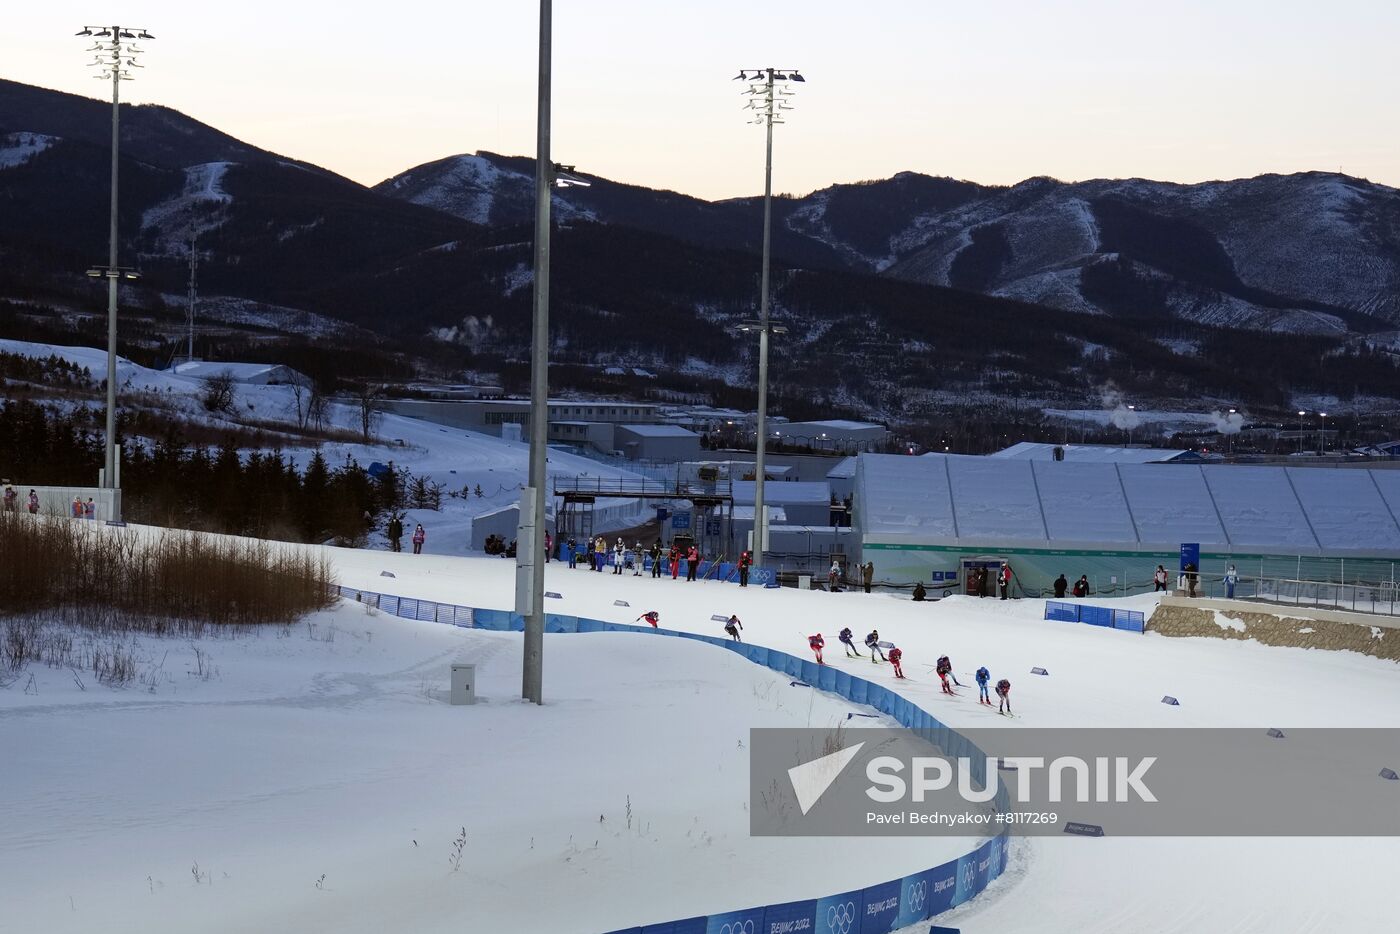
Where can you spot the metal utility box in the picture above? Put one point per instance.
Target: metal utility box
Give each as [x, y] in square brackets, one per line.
[463, 684]
[804, 582]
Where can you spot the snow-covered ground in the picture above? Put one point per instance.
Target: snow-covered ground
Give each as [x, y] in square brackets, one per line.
[1098, 678]
[317, 780]
[327, 749]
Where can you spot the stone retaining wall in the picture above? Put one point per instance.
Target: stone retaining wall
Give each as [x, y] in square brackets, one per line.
[1272, 629]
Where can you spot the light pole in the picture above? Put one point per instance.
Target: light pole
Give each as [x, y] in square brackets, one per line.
[529, 559]
[1322, 434]
[114, 58]
[1132, 415]
[1229, 437]
[767, 95]
[1302, 430]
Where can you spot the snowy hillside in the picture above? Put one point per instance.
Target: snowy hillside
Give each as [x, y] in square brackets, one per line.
[453, 457]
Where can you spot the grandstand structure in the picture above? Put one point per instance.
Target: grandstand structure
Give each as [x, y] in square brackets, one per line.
[931, 518]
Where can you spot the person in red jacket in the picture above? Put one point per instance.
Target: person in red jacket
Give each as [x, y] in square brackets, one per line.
[745, 562]
[1003, 696]
[817, 643]
[650, 616]
[895, 655]
[675, 562]
[1004, 579]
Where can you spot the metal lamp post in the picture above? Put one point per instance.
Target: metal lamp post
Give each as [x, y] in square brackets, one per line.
[115, 56]
[768, 97]
[1322, 434]
[530, 564]
[1302, 430]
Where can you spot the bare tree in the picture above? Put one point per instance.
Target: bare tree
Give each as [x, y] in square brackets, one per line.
[368, 396]
[218, 392]
[315, 408]
[301, 393]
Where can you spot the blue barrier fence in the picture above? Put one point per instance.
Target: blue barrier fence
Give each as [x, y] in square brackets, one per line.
[876, 909]
[1109, 617]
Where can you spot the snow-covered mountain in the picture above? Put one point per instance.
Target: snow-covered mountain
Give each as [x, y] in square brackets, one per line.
[1312, 252]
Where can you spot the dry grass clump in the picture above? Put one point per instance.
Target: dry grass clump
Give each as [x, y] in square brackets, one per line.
[170, 582]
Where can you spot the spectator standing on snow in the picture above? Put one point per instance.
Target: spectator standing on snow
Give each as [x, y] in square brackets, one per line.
[746, 562]
[637, 559]
[1061, 585]
[833, 576]
[1004, 579]
[656, 558]
[619, 556]
[11, 499]
[419, 537]
[548, 545]
[1159, 579]
[919, 592]
[33, 503]
[77, 507]
[395, 532]
[1081, 586]
[1191, 576]
[692, 561]
[600, 554]
[675, 559]
[89, 509]
[867, 574]
[1232, 577]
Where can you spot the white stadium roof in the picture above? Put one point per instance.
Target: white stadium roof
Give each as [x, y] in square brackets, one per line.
[1284, 509]
[1091, 453]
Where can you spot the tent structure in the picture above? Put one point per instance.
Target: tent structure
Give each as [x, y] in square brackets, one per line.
[915, 516]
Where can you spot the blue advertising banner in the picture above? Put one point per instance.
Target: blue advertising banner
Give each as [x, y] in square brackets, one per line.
[748, 921]
[840, 914]
[1190, 554]
[880, 912]
[681, 520]
[791, 918]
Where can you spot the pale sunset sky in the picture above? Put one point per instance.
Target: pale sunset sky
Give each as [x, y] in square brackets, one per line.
[992, 91]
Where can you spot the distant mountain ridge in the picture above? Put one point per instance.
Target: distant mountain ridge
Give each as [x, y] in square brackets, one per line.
[432, 268]
[1312, 252]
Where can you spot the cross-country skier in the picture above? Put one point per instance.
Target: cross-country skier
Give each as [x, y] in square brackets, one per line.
[1003, 696]
[650, 616]
[944, 668]
[816, 643]
[983, 676]
[872, 642]
[895, 655]
[732, 626]
[847, 639]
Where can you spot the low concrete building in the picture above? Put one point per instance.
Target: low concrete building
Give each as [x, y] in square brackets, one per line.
[666, 443]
